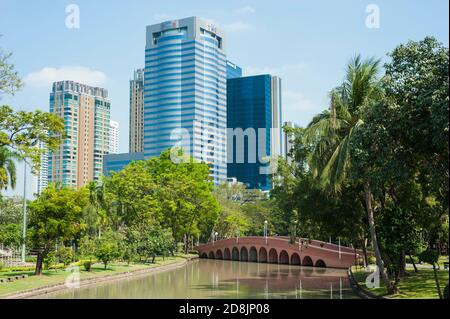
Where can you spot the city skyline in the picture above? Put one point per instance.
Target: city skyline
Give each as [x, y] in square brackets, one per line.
[300, 64]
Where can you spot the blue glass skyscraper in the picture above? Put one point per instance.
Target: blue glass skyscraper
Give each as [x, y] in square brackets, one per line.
[185, 92]
[254, 105]
[233, 70]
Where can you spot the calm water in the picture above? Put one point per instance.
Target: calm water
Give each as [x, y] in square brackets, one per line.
[224, 279]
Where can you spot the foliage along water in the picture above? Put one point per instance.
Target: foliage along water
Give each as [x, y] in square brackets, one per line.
[223, 279]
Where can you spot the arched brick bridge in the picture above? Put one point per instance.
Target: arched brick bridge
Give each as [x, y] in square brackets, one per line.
[279, 250]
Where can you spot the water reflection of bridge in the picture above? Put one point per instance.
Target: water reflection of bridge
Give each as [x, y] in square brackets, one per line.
[280, 250]
[276, 277]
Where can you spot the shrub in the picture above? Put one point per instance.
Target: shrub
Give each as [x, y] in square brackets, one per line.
[371, 260]
[429, 256]
[17, 269]
[49, 260]
[446, 292]
[87, 265]
[180, 247]
[65, 255]
[2, 265]
[57, 266]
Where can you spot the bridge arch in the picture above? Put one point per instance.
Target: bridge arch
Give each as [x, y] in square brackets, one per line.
[262, 258]
[307, 261]
[253, 255]
[235, 254]
[295, 259]
[219, 254]
[226, 254]
[211, 255]
[204, 255]
[244, 254]
[284, 258]
[321, 264]
[273, 256]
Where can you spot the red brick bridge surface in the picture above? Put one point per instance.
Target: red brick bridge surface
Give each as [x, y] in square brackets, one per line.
[279, 250]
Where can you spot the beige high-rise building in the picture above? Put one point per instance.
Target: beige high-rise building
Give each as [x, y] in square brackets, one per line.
[114, 137]
[137, 112]
[86, 114]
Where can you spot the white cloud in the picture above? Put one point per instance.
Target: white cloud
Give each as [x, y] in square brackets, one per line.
[239, 27]
[46, 76]
[245, 10]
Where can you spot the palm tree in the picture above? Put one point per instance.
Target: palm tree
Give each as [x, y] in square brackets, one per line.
[8, 168]
[330, 134]
[97, 200]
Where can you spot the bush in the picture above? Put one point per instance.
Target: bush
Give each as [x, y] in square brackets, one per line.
[2, 265]
[65, 255]
[371, 260]
[446, 292]
[17, 269]
[49, 260]
[87, 265]
[57, 266]
[429, 256]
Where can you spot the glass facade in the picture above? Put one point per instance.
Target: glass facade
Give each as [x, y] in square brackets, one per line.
[254, 103]
[117, 162]
[233, 71]
[185, 92]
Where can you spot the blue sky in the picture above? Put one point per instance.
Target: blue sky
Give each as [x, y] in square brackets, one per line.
[307, 43]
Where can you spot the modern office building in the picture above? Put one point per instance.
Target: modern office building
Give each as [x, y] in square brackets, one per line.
[255, 108]
[117, 162]
[137, 112]
[185, 92]
[114, 137]
[86, 114]
[41, 177]
[233, 70]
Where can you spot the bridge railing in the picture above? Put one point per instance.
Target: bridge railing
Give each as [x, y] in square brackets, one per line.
[283, 241]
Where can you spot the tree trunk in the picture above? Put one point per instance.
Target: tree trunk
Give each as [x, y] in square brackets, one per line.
[402, 264]
[364, 249]
[376, 248]
[413, 263]
[436, 279]
[39, 260]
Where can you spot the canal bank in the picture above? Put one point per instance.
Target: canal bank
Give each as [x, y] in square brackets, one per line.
[89, 282]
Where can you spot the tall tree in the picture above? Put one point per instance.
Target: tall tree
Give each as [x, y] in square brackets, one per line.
[331, 132]
[8, 168]
[9, 79]
[56, 216]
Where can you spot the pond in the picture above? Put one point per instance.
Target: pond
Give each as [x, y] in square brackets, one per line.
[203, 278]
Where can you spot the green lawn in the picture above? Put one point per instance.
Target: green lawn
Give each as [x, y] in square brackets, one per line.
[420, 285]
[53, 277]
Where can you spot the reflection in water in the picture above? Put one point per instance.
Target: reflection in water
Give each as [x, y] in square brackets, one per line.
[224, 279]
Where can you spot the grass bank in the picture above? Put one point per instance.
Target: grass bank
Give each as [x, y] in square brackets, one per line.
[51, 278]
[416, 285]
